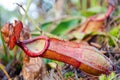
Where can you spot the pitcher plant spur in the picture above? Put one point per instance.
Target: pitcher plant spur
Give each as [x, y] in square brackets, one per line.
[80, 55]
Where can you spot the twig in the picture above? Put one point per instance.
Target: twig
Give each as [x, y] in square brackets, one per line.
[41, 32]
[59, 72]
[114, 19]
[51, 74]
[116, 39]
[29, 18]
[76, 75]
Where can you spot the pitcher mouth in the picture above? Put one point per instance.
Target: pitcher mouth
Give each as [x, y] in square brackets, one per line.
[34, 47]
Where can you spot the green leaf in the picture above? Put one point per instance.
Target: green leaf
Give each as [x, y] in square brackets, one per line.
[102, 77]
[46, 61]
[92, 11]
[96, 9]
[46, 26]
[68, 74]
[115, 31]
[78, 35]
[111, 76]
[64, 26]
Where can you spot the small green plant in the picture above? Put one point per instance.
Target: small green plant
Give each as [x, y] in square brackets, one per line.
[112, 76]
[68, 74]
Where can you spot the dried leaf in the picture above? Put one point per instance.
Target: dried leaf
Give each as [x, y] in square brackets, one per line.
[31, 68]
[11, 33]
